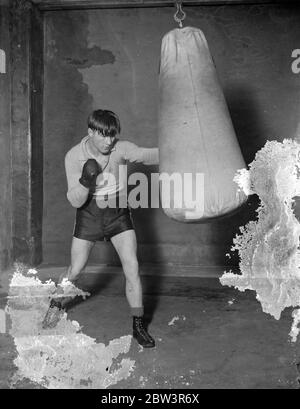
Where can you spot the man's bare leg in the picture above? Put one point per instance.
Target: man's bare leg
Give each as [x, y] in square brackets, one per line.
[80, 251]
[126, 247]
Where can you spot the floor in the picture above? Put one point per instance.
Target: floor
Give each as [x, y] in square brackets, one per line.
[207, 336]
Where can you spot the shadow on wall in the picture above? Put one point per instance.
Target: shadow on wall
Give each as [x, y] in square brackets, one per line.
[247, 120]
[227, 228]
[249, 127]
[146, 230]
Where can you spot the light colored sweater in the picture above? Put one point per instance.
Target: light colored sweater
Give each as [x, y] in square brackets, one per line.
[113, 178]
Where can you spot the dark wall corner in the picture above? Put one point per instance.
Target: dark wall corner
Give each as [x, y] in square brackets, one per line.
[26, 60]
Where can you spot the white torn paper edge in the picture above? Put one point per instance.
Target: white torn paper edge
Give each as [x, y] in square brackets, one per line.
[269, 247]
[62, 357]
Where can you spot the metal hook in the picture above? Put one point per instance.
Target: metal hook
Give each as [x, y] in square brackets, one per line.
[178, 19]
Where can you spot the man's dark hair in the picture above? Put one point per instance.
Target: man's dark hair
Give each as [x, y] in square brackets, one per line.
[104, 121]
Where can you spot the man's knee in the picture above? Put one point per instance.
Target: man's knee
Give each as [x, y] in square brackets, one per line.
[130, 266]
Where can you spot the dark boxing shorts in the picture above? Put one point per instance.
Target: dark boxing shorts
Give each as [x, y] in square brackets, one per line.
[95, 224]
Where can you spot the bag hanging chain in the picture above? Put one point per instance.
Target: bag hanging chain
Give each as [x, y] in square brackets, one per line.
[180, 15]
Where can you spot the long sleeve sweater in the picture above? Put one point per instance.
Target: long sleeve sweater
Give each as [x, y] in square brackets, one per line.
[113, 178]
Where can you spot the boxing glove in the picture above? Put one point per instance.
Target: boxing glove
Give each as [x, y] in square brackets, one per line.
[91, 169]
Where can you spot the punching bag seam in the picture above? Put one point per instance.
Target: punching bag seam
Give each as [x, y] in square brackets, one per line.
[198, 117]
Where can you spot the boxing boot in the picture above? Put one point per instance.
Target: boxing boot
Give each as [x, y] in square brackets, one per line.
[53, 315]
[140, 333]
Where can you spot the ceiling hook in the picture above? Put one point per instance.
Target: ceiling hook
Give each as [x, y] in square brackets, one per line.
[180, 15]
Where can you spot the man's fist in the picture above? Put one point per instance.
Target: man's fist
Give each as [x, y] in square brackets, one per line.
[90, 171]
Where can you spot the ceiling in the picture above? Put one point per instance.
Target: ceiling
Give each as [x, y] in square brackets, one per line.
[63, 4]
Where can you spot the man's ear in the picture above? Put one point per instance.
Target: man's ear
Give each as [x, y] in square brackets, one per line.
[90, 132]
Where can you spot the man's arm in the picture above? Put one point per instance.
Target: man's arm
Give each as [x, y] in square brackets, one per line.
[77, 194]
[134, 153]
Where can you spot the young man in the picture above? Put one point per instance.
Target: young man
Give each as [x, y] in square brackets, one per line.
[96, 187]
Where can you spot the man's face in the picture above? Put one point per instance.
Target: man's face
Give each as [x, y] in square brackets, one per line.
[102, 143]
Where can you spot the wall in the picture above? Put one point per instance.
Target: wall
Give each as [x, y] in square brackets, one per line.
[5, 157]
[110, 58]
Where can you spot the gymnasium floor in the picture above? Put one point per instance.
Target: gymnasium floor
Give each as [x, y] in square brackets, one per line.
[207, 336]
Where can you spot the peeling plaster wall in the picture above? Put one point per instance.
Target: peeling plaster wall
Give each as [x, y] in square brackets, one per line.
[110, 59]
[5, 155]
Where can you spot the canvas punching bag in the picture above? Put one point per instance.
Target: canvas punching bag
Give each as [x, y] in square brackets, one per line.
[196, 135]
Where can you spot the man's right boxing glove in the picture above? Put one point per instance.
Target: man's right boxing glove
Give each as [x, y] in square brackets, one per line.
[91, 169]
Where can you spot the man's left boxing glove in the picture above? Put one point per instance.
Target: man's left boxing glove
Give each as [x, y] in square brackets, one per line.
[91, 169]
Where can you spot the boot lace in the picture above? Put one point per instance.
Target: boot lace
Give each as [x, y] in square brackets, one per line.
[141, 329]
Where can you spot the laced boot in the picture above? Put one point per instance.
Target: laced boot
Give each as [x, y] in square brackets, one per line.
[53, 315]
[140, 333]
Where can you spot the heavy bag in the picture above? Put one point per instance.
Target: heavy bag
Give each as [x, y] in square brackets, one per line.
[198, 148]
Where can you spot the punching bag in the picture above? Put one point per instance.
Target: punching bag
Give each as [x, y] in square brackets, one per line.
[198, 148]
